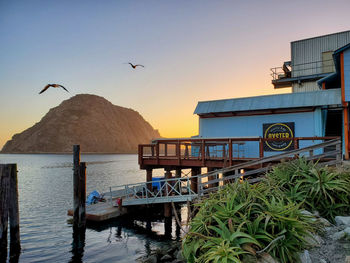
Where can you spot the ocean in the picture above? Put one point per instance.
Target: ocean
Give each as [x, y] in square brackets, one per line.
[45, 194]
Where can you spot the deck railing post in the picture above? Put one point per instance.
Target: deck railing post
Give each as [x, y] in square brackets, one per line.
[261, 147]
[157, 151]
[339, 152]
[230, 151]
[165, 149]
[178, 152]
[203, 152]
[140, 152]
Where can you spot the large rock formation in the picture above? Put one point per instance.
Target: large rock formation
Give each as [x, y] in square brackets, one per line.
[89, 120]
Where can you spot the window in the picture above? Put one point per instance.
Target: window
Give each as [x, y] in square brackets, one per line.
[327, 62]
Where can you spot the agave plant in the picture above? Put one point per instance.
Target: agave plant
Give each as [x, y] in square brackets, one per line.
[245, 219]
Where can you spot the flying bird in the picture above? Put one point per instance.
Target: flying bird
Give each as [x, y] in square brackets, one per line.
[134, 66]
[54, 86]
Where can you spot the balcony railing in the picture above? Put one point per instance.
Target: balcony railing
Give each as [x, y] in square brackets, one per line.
[303, 69]
[198, 152]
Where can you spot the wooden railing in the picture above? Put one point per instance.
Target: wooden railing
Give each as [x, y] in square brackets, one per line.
[226, 149]
[331, 154]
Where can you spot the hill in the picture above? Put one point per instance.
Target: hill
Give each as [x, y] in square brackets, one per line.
[89, 120]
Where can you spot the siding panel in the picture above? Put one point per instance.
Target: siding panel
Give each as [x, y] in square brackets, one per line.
[310, 51]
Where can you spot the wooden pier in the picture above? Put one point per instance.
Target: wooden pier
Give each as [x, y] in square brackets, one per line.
[186, 189]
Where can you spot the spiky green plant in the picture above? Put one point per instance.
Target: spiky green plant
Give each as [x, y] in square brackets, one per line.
[243, 218]
[316, 188]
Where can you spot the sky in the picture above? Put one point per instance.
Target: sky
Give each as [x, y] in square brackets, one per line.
[192, 50]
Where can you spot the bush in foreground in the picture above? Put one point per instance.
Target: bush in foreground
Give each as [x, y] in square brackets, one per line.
[241, 220]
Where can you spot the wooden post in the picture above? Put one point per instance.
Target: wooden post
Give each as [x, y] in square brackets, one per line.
[261, 148]
[212, 177]
[230, 151]
[167, 206]
[178, 176]
[82, 193]
[9, 211]
[149, 178]
[203, 152]
[15, 243]
[157, 151]
[76, 168]
[194, 181]
[79, 189]
[4, 209]
[140, 153]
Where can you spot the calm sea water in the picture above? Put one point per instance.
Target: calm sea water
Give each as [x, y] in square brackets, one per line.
[45, 193]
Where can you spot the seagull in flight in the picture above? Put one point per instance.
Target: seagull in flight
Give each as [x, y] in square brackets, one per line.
[54, 86]
[134, 66]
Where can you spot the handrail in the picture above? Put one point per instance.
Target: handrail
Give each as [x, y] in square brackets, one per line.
[203, 149]
[170, 190]
[237, 168]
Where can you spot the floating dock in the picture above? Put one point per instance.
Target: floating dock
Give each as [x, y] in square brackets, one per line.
[101, 211]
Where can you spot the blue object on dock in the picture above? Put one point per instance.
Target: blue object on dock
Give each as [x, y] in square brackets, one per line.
[93, 197]
[156, 184]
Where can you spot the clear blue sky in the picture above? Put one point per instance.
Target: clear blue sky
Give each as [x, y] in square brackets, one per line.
[192, 50]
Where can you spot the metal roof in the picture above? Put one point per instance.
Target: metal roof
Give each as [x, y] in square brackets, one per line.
[279, 101]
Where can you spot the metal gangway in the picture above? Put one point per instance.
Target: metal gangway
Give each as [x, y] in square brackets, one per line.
[180, 190]
[167, 191]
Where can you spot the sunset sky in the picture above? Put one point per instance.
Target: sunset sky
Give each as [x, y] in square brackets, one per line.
[192, 51]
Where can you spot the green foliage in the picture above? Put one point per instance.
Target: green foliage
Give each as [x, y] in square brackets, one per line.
[242, 219]
[320, 189]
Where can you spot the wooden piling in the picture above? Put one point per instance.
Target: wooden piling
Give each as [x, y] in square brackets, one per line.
[82, 191]
[15, 243]
[167, 206]
[79, 189]
[4, 201]
[178, 176]
[212, 177]
[194, 180]
[9, 211]
[149, 179]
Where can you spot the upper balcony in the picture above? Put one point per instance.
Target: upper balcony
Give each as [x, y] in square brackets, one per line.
[290, 73]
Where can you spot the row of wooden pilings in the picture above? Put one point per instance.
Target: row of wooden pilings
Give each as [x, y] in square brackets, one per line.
[9, 212]
[9, 207]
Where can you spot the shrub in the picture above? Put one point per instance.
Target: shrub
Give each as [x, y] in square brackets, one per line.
[243, 219]
[323, 189]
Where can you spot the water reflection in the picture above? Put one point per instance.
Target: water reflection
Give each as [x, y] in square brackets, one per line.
[78, 244]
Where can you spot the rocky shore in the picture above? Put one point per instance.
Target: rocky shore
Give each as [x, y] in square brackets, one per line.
[171, 253]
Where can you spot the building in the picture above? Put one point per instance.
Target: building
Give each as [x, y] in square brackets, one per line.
[311, 60]
[319, 74]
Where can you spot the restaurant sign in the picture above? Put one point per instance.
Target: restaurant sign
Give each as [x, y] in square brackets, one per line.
[277, 131]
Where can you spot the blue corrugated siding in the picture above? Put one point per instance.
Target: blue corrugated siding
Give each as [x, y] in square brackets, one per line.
[307, 124]
[347, 74]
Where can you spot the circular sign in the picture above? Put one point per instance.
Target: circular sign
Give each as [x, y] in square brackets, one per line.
[278, 131]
